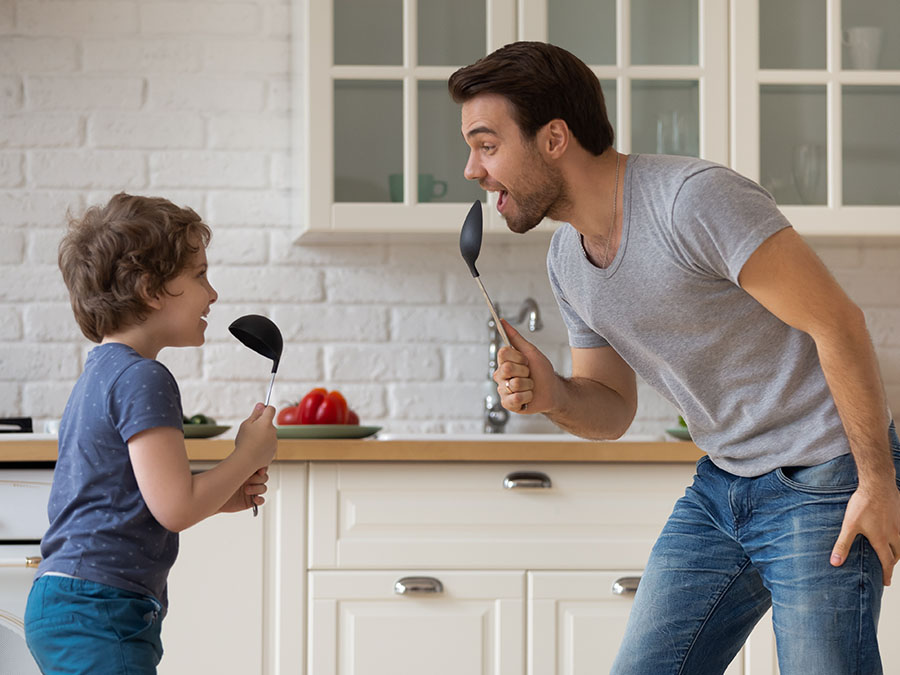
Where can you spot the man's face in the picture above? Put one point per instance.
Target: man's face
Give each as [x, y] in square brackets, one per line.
[502, 161]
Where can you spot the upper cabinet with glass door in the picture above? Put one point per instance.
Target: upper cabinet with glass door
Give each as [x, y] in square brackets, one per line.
[662, 66]
[377, 142]
[817, 110]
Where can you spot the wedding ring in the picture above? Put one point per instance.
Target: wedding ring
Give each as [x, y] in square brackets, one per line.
[507, 387]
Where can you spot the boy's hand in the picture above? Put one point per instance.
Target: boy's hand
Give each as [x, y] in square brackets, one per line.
[257, 435]
[248, 494]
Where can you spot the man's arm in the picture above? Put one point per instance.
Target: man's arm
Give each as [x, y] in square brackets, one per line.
[787, 278]
[598, 402]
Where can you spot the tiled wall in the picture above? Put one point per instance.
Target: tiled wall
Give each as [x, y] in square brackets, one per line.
[190, 100]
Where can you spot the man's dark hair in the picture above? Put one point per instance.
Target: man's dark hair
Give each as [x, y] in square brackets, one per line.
[542, 82]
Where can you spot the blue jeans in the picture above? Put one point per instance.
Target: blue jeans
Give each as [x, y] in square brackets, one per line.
[732, 548]
[74, 626]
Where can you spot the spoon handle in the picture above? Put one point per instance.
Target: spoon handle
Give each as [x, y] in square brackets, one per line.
[268, 396]
[497, 321]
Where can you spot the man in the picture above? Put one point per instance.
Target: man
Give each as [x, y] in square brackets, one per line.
[686, 273]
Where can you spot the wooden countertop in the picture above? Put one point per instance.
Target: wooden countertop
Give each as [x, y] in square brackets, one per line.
[372, 450]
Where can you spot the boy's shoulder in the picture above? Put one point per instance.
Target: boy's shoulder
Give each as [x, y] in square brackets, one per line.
[111, 362]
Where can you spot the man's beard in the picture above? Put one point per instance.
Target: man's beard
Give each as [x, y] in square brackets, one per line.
[545, 195]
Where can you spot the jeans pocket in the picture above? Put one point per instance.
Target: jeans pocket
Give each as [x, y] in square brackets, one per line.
[130, 617]
[835, 476]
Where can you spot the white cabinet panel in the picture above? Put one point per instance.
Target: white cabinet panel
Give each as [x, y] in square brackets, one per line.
[576, 622]
[236, 592]
[216, 598]
[359, 625]
[461, 515]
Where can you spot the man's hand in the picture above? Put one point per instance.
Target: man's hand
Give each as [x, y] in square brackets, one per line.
[874, 512]
[524, 376]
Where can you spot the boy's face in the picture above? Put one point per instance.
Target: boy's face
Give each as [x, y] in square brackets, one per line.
[501, 160]
[185, 304]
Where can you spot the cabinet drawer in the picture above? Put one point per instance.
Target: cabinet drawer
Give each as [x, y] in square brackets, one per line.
[359, 623]
[592, 516]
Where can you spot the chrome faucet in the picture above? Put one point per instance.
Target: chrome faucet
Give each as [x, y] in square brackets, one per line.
[495, 415]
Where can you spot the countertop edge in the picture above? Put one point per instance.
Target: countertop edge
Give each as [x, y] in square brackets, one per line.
[344, 450]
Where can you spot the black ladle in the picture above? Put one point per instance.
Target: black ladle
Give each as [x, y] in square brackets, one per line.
[470, 247]
[260, 334]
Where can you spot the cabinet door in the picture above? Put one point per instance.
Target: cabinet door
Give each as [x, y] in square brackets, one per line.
[817, 110]
[216, 598]
[360, 624]
[763, 660]
[378, 140]
[662, 67]
[236, 590]
[576, 621]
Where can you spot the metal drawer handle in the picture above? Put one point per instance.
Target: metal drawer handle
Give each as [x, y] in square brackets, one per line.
[526, 479]
[29, 561]
[625, 585]
[411, 585]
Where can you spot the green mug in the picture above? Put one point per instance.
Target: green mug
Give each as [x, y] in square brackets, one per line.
[429, 187]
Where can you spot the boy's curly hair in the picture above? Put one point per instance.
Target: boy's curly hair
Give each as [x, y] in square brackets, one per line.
[116, 257]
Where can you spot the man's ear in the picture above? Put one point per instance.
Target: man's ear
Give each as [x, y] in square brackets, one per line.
[555, 138]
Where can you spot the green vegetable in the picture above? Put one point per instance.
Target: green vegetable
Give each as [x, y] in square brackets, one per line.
[200, 418]
[681, 422]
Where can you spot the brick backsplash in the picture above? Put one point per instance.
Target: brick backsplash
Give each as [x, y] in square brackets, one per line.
[193, 103]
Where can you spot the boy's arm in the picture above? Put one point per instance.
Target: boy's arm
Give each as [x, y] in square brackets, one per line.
[176, 497]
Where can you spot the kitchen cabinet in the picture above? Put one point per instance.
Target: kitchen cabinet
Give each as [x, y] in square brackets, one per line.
[813, 114]
[441, 623]
[817, 110]
[237, 590]
[509, 560]
[528, 575]
[577, 621]
[379, 146]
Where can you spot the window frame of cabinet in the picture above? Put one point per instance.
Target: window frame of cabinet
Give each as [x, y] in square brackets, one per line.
[315, 212]
[834, 218]
[711, 72]
[727, 75]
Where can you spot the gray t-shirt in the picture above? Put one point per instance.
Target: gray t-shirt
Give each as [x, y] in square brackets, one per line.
[749, 386]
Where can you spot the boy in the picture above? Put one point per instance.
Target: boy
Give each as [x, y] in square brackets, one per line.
[123, 488]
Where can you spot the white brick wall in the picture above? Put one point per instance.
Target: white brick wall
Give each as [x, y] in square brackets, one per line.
[191, 100]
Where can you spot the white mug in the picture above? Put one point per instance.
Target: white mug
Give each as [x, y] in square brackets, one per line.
[864, 45]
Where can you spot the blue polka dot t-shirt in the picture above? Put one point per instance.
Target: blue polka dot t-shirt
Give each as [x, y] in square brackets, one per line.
[100, 526]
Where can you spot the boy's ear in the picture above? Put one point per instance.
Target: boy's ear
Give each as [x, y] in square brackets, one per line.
[555, 138]
[151, 300]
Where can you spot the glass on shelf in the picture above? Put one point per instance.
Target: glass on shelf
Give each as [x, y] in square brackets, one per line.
[368, 32]
[451, 33]
[665, 118]
[871, 35]
[665, 33]
[871, 145]
[368, 138]
[792, 130]
[442, 150]
[792, 34]
[587, 29]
